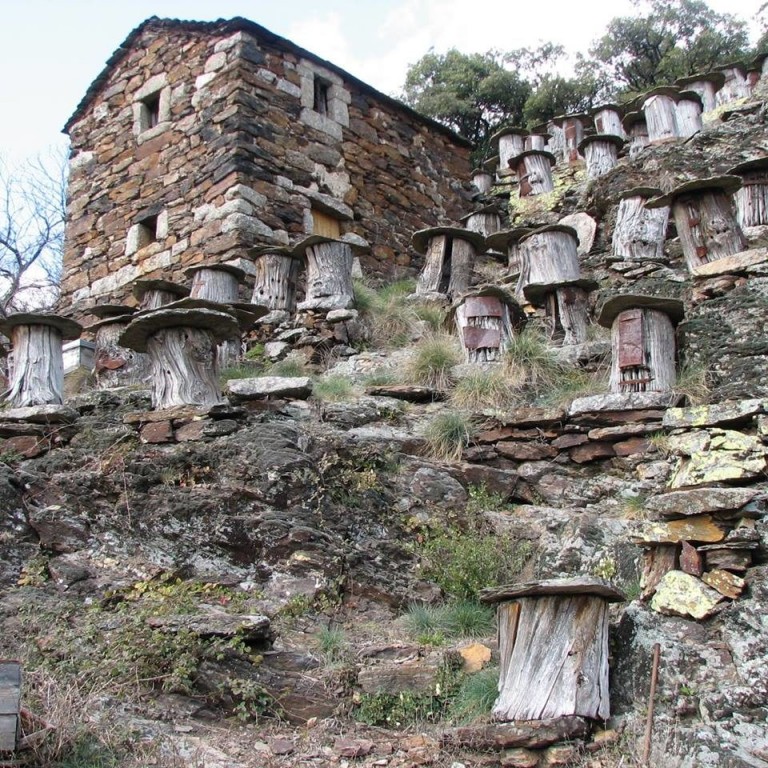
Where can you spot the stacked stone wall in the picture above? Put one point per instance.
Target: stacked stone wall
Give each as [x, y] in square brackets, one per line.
[239, 159]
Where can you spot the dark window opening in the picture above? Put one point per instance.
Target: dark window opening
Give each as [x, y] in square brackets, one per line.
[147, 231]
[151, 111]
[445, 275]
[320, 101]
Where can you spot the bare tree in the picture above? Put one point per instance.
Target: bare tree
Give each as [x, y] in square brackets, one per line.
[32, 213]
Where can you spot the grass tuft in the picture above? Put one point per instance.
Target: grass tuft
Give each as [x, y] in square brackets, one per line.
[432, 360]
[483, 389]
[693, 383]
[333, 388]
[447, 435]
[455, 619]
[333, 644]
[476, 696]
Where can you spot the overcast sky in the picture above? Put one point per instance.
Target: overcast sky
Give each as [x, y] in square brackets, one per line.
[51, 50]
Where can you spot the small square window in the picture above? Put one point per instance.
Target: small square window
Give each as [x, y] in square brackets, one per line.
[150, 111]
[147, 231]
[320, 101]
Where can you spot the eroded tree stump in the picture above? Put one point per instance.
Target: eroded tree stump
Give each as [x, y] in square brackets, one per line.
[328, 273]
[153, 294]
[215, 282]
[534, 172]
[601, 152]
[181, 344]
[277, 276]
[37, 368]
[553, 648]
[659, 108]
[640, 232]
[752, 198]
[643, 343]
[449, 256]
[115, 365]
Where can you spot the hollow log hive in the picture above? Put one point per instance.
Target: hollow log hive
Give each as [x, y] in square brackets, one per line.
[276, 280]
[601, 152]
[752, 198]
[659, 108]
[449, 256]
[639, 232]
[553, 648]
[329, 274]
[688, 114]
[534, 172]
[607, 119]
[485, 320]
[706, 85]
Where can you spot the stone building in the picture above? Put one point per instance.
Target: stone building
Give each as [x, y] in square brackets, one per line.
[202, 140]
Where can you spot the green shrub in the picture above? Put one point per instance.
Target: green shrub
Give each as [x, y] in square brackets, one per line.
[432, 315]
[467, 618]
[475, 696]
[432, 360]
[530, 360]
[483, 389]
[446, 435]
[333, 388]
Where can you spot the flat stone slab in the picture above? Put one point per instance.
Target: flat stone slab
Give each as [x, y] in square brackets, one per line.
[701, 528]
[739, 262]
[216, 624]
[621, 431]
[41, 414]
[419, 676]
[634, 401]
[721, 414]
[584, 585]
[726, 583]
[680, 594]
[697, 501]
[530, 417]
[531, 734]
[411, 394]
[287, 387]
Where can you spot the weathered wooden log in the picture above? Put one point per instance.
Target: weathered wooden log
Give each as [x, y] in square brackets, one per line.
[607, 119]
[752, 198]
[181, 344]
[706, 85]
[736, 85]
[276, 279]
[556, 143]
[534, 172]
[486, 319]
[449, 256]
[483, 180]
[659, 108]
[153, 294]
[491, 165]
[115, 365]
[485, 221]
[688, 114]
[601, 152]
[508, 143]
[553, 648]
[757, 69]
[37, 368]
[329, 273]
[639, 232]
[10, 705]
[549, 258]
[572, 127]
[215, 282]
[636, 129]
[566, 315]
[508, 241]
[536, 141]
[642, 342]
[705, 219]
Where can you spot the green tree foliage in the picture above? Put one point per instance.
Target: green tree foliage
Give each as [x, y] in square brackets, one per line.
[557, 95]
[671, 39]
[471, 93]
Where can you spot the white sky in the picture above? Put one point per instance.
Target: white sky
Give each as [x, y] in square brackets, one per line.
[51, 50]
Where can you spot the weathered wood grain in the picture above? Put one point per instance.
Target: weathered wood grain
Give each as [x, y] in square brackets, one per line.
[37, 371]
[639, 232]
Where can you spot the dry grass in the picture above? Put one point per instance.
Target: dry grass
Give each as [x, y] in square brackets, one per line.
[433, 358]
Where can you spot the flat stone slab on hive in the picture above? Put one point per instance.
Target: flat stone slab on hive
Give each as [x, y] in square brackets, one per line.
[635, 401]
[577, 586]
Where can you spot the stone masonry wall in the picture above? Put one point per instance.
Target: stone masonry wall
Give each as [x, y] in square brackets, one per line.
[239, 158]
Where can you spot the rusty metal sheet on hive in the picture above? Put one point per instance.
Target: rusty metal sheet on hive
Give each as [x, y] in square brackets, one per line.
[482, 306]
[481, 338]
[631, 340]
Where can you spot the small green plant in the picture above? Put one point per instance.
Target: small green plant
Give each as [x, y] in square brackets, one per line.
[693, 383]
[382, 377]
[422, 618]
[483, 389]
[297, 606]
[242, 371]
[333, 643]
[660, 442]
[605, 568]
[255, 353]
[468, 618]
[531, 361]
[432, 360]
[475, 696]
[446, 435]
[290, 367]
[10, 456]
[634, 506]
[388, 312]
[431, 315]
[333, 388]
[483, 500]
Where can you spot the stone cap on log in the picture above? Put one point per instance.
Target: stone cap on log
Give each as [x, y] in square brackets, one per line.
[245, 314]
[534, 292]
[552, 228]
[740, 65]
[632, 118]
[420, 239]
[142, 287]
[501, 240]
[68, 328]
[579, 585]
[491, 163]
[311, 240]
[222, 325]
[670, 91]
[757, 62]
[726, 184]
[582, 116]
[510, 130]
[608, 138]
[490, 208]
[716, 78]
[691, 96]
[610, 105]
[515, 161]
[279, 250]
[646, 192]
[219, 265]
[615, 305]
[111, 320]
[756, 164]
[103, 311]
[497, 292]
